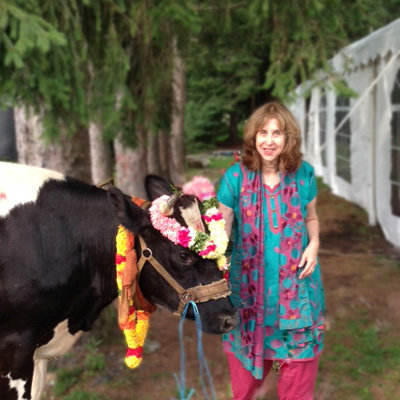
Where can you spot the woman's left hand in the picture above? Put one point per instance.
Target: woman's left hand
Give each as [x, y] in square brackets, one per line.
[309, 260]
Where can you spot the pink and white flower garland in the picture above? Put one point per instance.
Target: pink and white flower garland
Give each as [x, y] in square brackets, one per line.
[212, 246]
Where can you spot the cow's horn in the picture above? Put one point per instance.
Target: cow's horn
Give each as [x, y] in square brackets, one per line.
[169, 207]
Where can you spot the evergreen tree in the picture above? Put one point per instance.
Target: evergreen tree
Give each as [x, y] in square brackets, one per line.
[250, 52]
[102, 62]
[109, 62]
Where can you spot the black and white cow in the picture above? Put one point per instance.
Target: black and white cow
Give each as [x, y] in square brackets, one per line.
[57, 268]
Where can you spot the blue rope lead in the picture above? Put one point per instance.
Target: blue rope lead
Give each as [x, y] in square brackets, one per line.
[181, 383]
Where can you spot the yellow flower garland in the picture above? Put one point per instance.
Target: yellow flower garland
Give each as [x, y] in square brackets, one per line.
[135, 329]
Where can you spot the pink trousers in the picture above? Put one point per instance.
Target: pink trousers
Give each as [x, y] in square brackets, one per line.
[296, 379]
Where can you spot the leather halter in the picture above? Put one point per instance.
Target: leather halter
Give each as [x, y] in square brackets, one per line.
[198, 294]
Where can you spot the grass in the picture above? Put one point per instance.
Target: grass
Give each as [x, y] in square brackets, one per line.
[94, 363]
[221, 163]
[66, 379]
[321, 186]
[214, 171]
[176, 394]
[359, 357]
[158, 375]
[82, 395]
[126, 378]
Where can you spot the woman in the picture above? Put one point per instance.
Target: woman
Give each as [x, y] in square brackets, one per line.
[268, 200]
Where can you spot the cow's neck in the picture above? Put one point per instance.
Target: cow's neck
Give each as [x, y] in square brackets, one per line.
[86, 222]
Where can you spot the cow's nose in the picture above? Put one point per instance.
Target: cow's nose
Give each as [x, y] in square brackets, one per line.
[230, 322]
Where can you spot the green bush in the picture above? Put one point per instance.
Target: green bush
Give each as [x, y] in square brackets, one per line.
[95, 362]
[66, 378]
[82, 395]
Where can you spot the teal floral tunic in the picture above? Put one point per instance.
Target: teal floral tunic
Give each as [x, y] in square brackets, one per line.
[296, 343]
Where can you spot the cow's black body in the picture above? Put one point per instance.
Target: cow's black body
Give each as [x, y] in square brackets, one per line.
[57, 272]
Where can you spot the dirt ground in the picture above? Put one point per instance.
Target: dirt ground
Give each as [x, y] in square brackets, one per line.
[361, 275]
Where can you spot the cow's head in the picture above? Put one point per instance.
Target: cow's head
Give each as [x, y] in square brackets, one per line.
[185, 266]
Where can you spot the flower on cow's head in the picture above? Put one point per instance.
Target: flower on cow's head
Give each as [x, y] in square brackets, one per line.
[211, 246]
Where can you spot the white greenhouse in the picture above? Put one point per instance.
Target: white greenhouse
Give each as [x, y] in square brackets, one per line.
[354, 144]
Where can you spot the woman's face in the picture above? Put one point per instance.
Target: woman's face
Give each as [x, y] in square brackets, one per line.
[270, 141]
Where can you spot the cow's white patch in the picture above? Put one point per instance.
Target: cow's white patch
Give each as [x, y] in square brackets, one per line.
[39, 379]
[20, 184]
[61, 342]
[18, 385]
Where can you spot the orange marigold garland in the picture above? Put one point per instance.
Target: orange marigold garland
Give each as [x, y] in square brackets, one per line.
[137, 324]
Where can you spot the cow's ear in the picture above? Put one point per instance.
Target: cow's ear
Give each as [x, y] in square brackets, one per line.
[128, 214]
[157, 186]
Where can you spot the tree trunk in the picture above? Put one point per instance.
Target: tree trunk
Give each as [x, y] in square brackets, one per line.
[253, 102]
[153, 155]
[163, 144]
[8, 147]
[100, 154]
[176, 140]
[68, 155]
[131, 166]
[75, 154]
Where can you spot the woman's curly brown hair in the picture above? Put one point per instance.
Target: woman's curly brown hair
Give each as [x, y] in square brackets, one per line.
[290, 158]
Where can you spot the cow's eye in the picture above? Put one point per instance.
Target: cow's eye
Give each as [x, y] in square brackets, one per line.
[184, 257]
